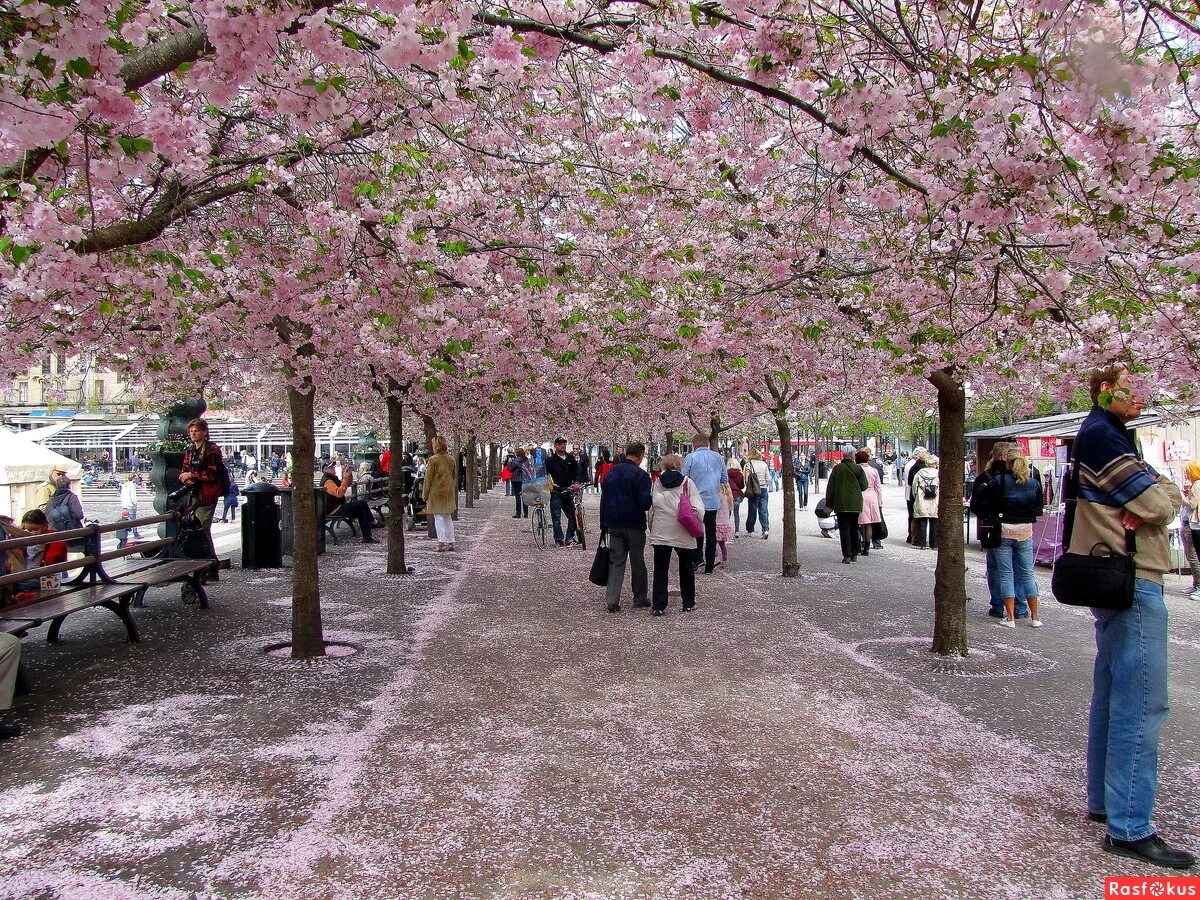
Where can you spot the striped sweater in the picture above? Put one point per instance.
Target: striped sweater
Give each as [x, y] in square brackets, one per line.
[1113, 479]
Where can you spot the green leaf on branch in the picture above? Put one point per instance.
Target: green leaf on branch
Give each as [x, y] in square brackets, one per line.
[135, 145]
[81, 68]
[464, 57]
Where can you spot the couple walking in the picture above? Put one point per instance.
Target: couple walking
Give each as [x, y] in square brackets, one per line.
[628, 497]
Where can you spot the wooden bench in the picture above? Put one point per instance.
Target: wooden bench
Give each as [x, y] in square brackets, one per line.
[93, 585]
[377, 500]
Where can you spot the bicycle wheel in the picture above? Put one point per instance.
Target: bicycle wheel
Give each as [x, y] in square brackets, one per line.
[538, 523]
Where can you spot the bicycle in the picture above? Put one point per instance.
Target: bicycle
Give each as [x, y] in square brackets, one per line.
[539, 523]
[580, 515]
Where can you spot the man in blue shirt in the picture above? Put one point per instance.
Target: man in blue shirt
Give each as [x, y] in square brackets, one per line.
[707, 470]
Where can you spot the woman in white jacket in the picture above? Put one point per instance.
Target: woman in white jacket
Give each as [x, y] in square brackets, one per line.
[666, 534]
[925, 505]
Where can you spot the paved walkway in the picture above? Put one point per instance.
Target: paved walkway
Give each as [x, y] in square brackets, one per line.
[500, 735]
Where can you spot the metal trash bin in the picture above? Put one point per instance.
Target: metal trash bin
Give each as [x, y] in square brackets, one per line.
[262, 541]
[823, 469]
[288, 529]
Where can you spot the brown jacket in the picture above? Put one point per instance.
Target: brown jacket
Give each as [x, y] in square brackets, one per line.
[441, 484]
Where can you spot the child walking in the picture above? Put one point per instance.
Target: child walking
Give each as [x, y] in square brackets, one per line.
[725, 522]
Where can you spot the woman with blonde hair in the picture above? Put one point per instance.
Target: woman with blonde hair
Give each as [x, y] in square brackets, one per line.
[1017, 494]
[1191, 523]
[441, 492]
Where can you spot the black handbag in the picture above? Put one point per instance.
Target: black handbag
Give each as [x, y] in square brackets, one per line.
[1099, 581]
[880, 531]
[988, 530]
[989, 533]
[599, 574]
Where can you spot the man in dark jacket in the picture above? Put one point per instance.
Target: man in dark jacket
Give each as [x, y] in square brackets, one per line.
[843, 493]
[623, 506]
[564, 472]
[983, 509]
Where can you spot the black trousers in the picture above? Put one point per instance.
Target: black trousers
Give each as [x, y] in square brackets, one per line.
[706, 547]
[925, 528]
[848, 531]
[687, 575]
[359, 510]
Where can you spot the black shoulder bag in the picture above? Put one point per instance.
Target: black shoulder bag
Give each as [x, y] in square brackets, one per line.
[1102, 580]
[988, 530]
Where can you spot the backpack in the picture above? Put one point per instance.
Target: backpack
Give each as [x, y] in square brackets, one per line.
[752, 483]
[930, 490]
[58, 511]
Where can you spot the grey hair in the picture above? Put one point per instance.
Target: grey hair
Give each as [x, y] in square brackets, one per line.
[672, 462]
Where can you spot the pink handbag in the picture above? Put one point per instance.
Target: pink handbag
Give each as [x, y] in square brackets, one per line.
[688, 518]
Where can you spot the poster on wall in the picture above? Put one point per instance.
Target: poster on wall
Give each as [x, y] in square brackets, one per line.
[1177, 450]
[1060, 461]
[1049, 447]
[1023, 443]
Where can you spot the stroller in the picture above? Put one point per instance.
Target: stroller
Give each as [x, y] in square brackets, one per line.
[826, 520]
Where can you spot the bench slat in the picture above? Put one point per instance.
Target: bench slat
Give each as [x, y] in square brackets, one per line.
[65, 604]
[167, 571]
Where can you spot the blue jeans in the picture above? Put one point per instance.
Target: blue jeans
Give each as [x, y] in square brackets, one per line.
[996, 599]
[756, 507]
[802, 490]
[737, 516]
[1129, 706]
[1012, 574]
[562, 503]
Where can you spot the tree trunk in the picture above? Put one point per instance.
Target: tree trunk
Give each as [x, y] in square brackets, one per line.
[714, 431]
[430, 433]
[470, 479]
[791, 561]
[396, 563]
[950, 584]
[308, 639]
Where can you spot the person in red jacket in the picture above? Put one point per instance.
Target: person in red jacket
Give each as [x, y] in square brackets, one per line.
[737, 485]
[35, 522]
[385, 461]
[200, 473]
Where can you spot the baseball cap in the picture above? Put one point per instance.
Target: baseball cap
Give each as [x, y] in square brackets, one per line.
[560, 440]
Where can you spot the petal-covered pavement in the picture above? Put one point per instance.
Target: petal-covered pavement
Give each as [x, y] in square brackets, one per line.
[499, 734]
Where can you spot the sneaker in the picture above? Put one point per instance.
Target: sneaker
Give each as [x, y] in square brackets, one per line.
[1007, 623]
[995, 614]
[1035, 623]
[764, 535]
[1194, 595]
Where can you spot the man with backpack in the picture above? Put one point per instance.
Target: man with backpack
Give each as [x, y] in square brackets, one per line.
[204, 474]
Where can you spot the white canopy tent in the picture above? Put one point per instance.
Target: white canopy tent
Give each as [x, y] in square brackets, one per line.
[24, 465]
